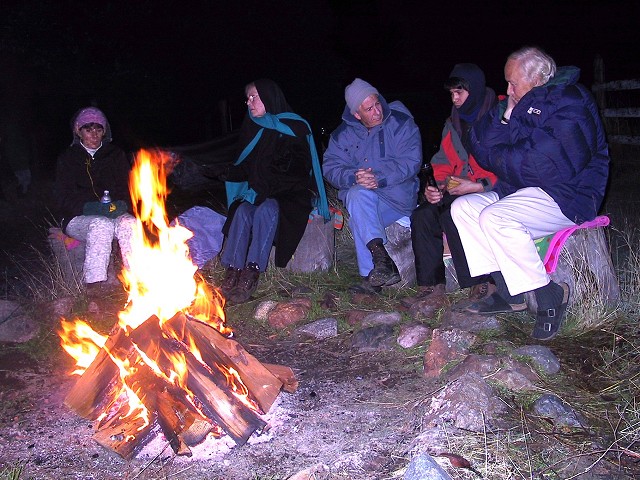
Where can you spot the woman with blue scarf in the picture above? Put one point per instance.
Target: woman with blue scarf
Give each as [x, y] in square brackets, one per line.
[271, 189]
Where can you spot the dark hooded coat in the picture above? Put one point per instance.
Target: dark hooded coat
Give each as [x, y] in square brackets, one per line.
[278, 167]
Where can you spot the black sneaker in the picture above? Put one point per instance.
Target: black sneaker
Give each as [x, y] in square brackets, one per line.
[494, 303]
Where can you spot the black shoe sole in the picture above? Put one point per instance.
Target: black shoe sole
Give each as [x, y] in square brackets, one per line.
[494, 304]
[362, 290]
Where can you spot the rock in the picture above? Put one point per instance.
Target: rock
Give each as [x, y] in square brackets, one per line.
[424, 467]
[468, 403]
[378, 337]
[316, 249]
[468, 321]
[320, 329]
[400, 250]
[354, 317]
[585, 265]
[15, 325]
[446, 346]
[261, 312]
[93, 307]
[319, 471]
[381, 318]
[551, 406]
[432, 440]
[516, 376]
[289, 313]
[363, 298]
[481, 364]
[70, 259]
[329, 301]
[542, 357]
[301, 290]
[412, 335]
[505, 371]
[429, 307]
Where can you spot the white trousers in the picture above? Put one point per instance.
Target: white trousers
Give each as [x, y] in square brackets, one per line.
[98, 232]
[498, 234]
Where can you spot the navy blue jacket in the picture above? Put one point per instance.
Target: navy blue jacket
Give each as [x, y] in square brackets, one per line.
[554, 140]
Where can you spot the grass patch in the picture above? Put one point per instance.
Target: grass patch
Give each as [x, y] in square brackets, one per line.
[13, 472]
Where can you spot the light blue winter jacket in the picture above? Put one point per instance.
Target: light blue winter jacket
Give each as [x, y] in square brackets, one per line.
[393, 150]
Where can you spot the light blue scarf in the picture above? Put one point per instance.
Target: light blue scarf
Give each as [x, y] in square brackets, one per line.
[241, 190]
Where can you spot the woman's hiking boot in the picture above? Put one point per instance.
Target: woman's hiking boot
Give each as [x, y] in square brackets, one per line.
[247, 284]
[477, 293]
[231, 277]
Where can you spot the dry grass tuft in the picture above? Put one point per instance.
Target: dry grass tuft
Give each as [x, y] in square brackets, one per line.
[42, 276]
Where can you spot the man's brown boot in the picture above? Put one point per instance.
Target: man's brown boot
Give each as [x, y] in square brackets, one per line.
[246, 286]
[385, 271]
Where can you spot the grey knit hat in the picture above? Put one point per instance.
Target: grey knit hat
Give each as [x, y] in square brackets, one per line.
[356, 93]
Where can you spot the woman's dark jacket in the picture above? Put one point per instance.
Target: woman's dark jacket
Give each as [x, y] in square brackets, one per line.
[81, 179]
[279, 167]
[554, 140]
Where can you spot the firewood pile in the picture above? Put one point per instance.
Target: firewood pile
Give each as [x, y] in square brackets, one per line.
[133, 387]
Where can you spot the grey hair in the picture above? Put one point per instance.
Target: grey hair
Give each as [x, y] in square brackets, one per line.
[538, 66]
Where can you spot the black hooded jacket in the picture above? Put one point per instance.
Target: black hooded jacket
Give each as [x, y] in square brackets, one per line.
[278, 167]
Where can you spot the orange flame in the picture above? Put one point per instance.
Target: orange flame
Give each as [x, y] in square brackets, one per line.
[161, 281]
[81, 342]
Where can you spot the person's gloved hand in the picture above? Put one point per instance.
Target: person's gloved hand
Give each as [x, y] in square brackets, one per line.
[215, 171]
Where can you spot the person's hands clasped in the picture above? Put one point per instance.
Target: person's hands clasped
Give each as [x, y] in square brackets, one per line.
[366, 178]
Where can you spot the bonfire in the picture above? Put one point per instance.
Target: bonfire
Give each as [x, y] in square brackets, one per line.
[169, 364]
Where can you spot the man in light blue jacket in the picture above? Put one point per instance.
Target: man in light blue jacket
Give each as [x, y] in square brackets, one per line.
[373, 159]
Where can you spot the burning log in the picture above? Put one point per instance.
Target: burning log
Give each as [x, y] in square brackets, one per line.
[100, 385]
[285, 375]
[263, 384]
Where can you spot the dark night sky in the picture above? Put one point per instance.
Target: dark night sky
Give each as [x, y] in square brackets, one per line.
[158, 69]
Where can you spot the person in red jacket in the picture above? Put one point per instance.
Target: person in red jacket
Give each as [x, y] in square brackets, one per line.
[457, 173]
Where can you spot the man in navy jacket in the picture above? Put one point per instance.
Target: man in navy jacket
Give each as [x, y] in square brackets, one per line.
[547, 146]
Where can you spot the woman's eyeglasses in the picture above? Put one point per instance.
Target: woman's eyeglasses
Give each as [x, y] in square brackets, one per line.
[251, 98]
